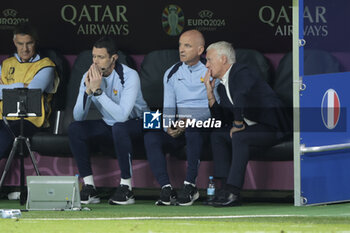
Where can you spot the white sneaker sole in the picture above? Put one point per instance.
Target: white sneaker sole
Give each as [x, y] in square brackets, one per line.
[171, 202]
[128, 202]
[195, 197]
[159, 202]
[91, 200]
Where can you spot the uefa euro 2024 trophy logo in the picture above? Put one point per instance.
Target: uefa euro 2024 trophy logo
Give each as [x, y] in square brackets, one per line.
[173, 20]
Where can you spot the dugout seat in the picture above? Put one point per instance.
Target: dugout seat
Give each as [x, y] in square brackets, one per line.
[152, 72]
[256, 62]
[47, 143]
[63, 71]
[315, 62]
[59, 98]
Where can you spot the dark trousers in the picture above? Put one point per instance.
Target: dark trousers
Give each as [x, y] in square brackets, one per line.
[157, 143]
[6, 137]
[83, 134]
[231, 155]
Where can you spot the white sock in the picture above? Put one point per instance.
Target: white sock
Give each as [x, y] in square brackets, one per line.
[89, 180]
[126, 182]
[167, 185]
[186, 182]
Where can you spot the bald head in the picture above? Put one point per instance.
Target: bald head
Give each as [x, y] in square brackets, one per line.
[191, 47]
[196, 36]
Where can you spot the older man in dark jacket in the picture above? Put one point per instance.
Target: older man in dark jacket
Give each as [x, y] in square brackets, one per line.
[251, 113]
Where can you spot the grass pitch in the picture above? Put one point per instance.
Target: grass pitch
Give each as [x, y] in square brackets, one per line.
[144, 216]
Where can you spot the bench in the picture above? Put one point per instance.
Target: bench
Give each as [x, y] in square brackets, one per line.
[54, 142]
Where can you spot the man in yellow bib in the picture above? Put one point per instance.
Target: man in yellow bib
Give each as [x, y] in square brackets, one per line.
[26, 69]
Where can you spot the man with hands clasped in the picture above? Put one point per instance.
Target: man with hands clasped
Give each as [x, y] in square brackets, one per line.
[115, 91]
[251, 115]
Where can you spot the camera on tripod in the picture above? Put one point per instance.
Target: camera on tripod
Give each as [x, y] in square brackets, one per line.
[17, 104]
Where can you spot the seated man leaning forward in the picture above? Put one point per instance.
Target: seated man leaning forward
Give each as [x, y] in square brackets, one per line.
[185, 99]
[115, 90]
[251, 113]
[26, 69]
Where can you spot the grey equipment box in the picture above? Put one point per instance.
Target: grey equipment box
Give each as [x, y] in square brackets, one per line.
[53, 193]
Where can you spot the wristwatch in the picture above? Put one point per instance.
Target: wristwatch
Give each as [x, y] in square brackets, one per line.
[97, 92]
[237, 126]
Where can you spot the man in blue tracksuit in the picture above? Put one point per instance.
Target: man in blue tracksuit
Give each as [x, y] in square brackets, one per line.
[184, 98]
[115, 90]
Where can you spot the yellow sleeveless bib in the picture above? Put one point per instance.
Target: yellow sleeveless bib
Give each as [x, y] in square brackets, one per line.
[13, 71]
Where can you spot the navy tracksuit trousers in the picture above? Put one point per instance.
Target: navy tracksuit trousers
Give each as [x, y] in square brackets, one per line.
[83, 134]
[157, 143]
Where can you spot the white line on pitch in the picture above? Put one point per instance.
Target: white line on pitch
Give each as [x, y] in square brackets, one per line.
[170, 218]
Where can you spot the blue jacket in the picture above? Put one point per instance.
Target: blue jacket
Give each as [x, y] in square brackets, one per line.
[120, 101]
[185, 93]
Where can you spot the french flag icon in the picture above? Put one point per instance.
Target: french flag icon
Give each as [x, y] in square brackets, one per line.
[330, 109]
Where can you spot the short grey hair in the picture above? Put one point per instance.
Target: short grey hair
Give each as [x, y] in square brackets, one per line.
[224, 48]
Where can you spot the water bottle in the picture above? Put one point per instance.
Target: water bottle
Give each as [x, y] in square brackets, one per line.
[210, 190]
[14, 213]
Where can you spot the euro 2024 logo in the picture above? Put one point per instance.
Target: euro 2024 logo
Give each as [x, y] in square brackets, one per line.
[173, 20]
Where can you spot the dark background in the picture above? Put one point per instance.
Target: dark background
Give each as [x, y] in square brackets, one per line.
[260, 25]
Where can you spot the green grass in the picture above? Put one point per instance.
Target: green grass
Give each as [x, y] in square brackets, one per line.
[167, 226]
[147, 208]
[251, 216]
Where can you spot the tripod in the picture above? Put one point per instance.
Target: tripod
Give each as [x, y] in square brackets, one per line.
[18, 145]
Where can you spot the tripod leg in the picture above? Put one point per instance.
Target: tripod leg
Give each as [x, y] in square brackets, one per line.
[23, 195]
[9, 161]
[32, 157]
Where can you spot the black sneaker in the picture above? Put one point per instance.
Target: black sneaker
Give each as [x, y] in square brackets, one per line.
[188, 195]
[227, 199]
[88, 195]
[122, 196]
[218, 194]
[167, 196]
